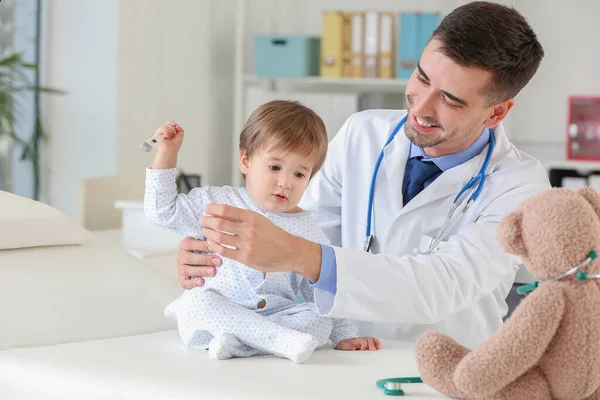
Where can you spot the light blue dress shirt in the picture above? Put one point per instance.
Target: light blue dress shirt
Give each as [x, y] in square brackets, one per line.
[328, 277]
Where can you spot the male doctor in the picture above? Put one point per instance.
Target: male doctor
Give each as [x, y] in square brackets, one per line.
[476, 62]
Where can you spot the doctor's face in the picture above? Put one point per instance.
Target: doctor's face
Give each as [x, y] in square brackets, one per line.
[276, 179]
[448, 104]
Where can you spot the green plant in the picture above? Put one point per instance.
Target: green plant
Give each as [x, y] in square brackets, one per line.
[14, 82]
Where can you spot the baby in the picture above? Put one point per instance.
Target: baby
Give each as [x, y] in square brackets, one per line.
[242, 312]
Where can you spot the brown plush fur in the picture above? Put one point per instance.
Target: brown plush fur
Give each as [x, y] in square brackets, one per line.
[550, 346]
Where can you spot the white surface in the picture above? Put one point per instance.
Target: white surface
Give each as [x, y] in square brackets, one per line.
[52, 295]
[140, 237]
[157, 366]
[28, 223]
[163, 263]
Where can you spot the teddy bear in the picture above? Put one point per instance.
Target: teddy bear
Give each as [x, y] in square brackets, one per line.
[549, 348]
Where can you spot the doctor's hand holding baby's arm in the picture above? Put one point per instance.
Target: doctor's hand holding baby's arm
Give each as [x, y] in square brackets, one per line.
[254, 238]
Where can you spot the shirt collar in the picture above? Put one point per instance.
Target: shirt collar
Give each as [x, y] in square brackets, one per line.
[452, 160]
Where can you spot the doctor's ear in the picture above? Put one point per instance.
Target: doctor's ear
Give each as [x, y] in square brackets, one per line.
[244, 162]
[510, 233]
[499, 112]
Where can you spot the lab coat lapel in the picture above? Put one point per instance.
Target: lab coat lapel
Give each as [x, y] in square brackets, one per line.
[454, 179]
[395, 156]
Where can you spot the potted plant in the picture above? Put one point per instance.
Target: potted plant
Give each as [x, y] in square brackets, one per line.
[14, 82]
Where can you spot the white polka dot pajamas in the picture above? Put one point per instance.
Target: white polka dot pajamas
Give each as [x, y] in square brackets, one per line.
[224, 315]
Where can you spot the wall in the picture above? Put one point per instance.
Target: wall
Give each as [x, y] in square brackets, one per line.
[571, 66]
[175, 63]
[81, 58]
[131, 65]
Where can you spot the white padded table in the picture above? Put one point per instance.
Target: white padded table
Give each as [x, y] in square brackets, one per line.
[158, 366]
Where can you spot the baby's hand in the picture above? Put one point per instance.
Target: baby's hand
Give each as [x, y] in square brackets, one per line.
[173, 137]
[359, 343]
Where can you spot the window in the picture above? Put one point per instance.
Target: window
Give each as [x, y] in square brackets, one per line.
[6, 45]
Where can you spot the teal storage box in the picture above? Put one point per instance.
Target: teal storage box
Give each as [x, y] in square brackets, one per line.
[287, 56]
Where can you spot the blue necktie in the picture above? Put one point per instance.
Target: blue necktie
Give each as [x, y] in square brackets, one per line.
[420, 172]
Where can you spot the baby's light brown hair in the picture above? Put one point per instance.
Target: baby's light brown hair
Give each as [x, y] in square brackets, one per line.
[287, 125]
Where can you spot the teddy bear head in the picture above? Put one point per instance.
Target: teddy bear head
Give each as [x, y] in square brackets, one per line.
[553, 231]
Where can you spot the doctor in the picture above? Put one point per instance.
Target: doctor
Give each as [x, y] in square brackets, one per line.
[421, 271]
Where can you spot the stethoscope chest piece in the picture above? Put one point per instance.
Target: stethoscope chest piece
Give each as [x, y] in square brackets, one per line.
[393, 389]
[393, 386]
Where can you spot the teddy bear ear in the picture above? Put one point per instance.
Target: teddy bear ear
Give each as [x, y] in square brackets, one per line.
[592, 196]
[509, 233]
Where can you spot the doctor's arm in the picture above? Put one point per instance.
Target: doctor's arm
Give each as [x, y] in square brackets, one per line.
[425, 289]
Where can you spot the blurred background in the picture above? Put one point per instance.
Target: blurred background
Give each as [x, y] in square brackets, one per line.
[125, 67]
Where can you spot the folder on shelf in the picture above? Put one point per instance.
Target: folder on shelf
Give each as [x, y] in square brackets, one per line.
[371, 38]
[427, 22]
[407, 56]
[332, 44]
[357, 45]
[347, 45]
[386, 45]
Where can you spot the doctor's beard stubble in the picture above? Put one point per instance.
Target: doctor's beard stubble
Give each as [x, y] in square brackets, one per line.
[416, 137]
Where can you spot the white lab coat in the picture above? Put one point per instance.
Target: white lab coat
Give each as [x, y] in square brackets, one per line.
[460, 289]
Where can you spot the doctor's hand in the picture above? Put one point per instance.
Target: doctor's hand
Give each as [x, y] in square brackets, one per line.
[191, 267]
[359, 343]
[258, 243]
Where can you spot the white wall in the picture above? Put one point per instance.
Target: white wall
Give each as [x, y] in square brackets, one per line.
[81, 59]
[176, 63]
[568, 32]
[131, 65]
[128, 66]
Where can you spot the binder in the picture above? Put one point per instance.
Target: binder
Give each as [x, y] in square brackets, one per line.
[386, 45]
[357, 45]
[407, 54]
[427, 22]
[332, 44]
[347, 45]
[371, 66]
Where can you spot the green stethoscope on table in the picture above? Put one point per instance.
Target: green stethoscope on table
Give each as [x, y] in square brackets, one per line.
[393, 386]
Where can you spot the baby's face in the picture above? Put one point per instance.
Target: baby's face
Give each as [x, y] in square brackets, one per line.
[276, 179]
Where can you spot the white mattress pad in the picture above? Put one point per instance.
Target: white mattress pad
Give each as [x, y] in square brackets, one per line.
[159, 366]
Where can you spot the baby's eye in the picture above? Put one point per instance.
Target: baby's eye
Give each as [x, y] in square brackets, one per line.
[274, 167]
[300, 175]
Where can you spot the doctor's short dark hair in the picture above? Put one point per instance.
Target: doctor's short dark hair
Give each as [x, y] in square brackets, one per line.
[493, 37]
[286, 125]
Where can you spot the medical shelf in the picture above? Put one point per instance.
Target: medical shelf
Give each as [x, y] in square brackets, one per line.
[317, 83]
[243, 81]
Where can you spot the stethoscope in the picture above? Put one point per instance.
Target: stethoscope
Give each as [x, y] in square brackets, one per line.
[581, 276]
[475, 184]
[393, 386]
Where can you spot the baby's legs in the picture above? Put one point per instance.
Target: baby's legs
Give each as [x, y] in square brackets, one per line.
[299, 319]
[203, 314]
[186, 310]
[304, 320]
